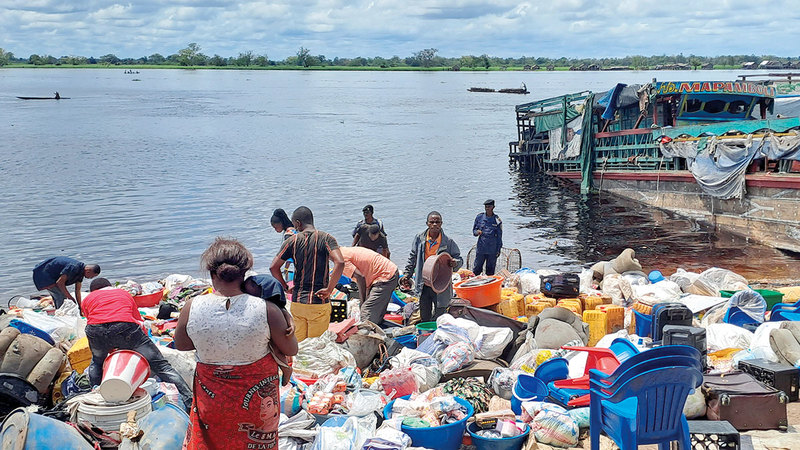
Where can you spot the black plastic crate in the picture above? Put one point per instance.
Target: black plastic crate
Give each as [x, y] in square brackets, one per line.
[664, 314]
[782, 377]
[713, 434]
[686, 335]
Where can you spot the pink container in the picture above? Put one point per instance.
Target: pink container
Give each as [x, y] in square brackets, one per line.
[401, 381]
[123, 372]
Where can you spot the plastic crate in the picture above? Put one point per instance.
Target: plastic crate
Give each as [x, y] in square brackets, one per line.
[713, 434]
[770, 296]
[782, 377]
[686, 335]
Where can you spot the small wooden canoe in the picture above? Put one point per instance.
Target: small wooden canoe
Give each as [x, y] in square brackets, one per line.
[479, 89]
[42, 98]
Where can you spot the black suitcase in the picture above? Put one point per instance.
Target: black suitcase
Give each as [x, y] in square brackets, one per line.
[684, 335]
[744, 402]
[561, 285]
[669, 314]
[782, 377]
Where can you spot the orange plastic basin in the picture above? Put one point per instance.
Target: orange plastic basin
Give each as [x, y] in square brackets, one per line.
[146, 301]
[483, 295]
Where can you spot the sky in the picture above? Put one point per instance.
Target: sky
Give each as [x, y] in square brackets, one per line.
[369, 28]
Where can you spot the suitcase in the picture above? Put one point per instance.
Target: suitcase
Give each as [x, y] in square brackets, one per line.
[669, 314]
[782, 377]
[561, 285]
[744, 402]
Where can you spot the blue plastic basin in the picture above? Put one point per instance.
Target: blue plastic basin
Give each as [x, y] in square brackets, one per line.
[510, 443]
[444, 437]
[527, 388]
[644, 324]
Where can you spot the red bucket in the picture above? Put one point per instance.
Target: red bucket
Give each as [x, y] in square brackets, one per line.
[123, 372]
[146, 301]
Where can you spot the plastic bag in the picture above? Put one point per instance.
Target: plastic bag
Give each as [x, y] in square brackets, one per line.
[68, 308]
[492, 341]
[291, 400]
[582, 419]
[457, 356]
[60, 328]
[661, 292]
[586, 276]
[555, 429]
[683, 279]
[320, 356]
[424, 367]
[350, 436]
[366, 402]
[751, 303]
[619, 289]
[720, 336]
[760, 345]
[695, 405]
[711, 281]
[529, 283]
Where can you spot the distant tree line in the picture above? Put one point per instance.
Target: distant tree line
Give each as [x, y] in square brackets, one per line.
[191, 56]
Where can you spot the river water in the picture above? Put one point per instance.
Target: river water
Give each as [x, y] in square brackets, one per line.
[140, 172]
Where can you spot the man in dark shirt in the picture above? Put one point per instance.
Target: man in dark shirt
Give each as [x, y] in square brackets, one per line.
[311, 250]
[370, 236]
[55, 274]
[489, 229]
[369, 219]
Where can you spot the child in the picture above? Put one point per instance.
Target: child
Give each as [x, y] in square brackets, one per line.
[268, 288]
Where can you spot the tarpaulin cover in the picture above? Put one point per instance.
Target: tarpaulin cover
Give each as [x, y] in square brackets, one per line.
[719, 165]
[626, 95]
[554, 119]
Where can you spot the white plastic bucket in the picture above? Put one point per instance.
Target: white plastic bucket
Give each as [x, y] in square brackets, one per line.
[123, 372]
[108, 417]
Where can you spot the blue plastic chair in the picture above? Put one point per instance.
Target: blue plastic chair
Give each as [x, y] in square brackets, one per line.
[623, 348]
[644, 324]
[736, 316]
[778, 306]
[691, 355]
[552, 370]
[793, 316]
[643, 406]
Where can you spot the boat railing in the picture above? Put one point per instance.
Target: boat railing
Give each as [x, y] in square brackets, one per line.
[634, 149]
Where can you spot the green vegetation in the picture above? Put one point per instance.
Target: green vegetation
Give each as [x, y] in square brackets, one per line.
[191, 57]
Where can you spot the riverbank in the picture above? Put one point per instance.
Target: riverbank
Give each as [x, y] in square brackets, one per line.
[312, 68]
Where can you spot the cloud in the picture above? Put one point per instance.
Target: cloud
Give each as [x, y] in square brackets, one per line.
[348, 28]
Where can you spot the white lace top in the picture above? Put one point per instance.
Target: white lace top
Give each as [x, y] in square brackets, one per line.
[235, 336]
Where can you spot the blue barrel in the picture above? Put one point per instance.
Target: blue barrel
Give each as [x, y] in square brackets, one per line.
[30, 431]
[164, 428]
[443, 437]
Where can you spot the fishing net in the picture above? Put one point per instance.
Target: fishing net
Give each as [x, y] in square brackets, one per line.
[509, 259]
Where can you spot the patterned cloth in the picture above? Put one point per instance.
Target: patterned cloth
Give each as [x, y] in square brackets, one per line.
[475, 392]
[235, 407]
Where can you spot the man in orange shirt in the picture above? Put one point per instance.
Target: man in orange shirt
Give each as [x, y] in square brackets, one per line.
[377, 278]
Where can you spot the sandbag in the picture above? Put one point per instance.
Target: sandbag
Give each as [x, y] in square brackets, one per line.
[760, 344]
[785, 346]
[7, 336]
[626, 262]
[183, 362]
[23, 354]
[683, 279]
[554, 327]
[45, 371]
[321, 355]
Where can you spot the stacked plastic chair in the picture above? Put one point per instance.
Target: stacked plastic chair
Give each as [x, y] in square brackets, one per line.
[642, 401]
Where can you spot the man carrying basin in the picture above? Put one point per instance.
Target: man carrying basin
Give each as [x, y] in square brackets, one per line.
[55, 274]
[113, 322]
[429, 243]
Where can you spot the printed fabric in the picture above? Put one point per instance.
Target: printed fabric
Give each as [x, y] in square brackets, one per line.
[235, 407]
[310, 251]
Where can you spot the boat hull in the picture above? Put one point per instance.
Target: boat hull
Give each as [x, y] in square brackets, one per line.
[769, 213]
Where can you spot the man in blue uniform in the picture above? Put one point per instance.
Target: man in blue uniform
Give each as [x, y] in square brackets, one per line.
[489, 229]
[55, 274]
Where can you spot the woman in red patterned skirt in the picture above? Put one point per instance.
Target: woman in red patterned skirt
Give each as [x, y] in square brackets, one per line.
[236, 403]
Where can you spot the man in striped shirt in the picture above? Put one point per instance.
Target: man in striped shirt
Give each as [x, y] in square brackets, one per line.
[311, 251]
